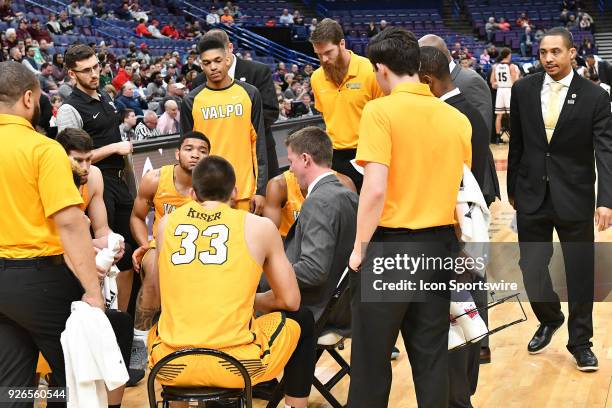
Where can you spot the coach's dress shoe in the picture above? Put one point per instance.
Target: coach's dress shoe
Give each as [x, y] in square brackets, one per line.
[485, 355]
[586, 360]
[265, 389]
[541, 339]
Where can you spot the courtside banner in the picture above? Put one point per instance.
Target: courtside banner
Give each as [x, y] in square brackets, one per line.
[537, 271]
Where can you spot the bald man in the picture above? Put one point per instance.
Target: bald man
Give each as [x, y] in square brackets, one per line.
[471, 85]
[477, 93]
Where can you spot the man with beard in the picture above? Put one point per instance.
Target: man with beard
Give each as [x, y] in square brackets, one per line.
[342, 86]
[164, 189]
[230, 113]
[92, 110]
[41, 220]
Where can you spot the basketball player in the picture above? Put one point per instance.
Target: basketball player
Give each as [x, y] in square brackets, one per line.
[79, 147]
[284, 199]
[503, 76]
[164, 189]
[230, 113]
[211, 258]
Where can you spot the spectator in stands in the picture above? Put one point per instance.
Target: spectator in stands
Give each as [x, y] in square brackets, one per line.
[191, 64]
[503, 25]
[287, 81]
[170, 31]
[22, 30]
[30, 52]
[148, 127]
[308, 70]
[59, 71]
[126, 128]
[279, 73]
[74, 10]
[307, 101]
[212, 18]
[65, 89]
[111, 91]
[106, 74]
[492, 51]
[100, 9]
[175, 92]
[485, 58]
[285, 110]
[526, 42]
[53, 25]
[372, 29]
[585, 23]
[137, 12]
[65, 23]
[170, 73]
[466, 63]
[490, 29]
[382, 25]
[156, 90]
[123, 75]
[143, 54]
[56, 102]
[293, 91]
[10, 40]
[298, 20]
[523, 20]
[129, 100]
[313, 24]
[227, 18]
[587, 48]
[38, 33]
[6, 12]
[47, 83]
[564, 16]
[87, 9]
[123, 12]
[154, 29]
[285, 18]
[169, 122]
[571, 22]
[141, 29]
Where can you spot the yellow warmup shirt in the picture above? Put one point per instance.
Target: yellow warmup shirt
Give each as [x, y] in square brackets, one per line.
[424, 142]
[166, 198]
[207, 278]
[232, 118]
[293, 205]
[341, 106]
[35, 182]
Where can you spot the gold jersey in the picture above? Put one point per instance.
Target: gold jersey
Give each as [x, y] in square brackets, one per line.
[166, 198]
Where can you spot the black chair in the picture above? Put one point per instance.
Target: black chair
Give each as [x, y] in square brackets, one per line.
[332, 328]
[170, 393]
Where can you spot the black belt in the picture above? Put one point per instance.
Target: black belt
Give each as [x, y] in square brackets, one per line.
[386, 230]
[114, 172]
[53, 260]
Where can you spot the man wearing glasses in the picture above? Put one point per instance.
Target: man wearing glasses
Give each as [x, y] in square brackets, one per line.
[91, 109]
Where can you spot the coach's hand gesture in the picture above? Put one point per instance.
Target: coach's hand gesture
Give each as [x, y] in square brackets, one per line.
[603, 218]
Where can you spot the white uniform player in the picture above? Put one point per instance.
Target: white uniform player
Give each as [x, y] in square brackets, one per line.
[504, 84]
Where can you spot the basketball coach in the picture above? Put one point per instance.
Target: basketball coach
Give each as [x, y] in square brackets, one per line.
[561, 126]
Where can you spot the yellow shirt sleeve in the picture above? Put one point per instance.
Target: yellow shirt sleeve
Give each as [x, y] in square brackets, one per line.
[55, 183]
[374, 137]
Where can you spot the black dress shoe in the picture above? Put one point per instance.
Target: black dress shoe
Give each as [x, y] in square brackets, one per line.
[265, 389]
[586, 360]
[485, 355]
[541, 339]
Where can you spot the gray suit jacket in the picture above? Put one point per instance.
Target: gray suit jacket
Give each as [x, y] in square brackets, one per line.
[476, 91]
[321, 240]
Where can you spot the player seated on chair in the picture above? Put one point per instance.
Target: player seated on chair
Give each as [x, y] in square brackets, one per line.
[79, 146]
[503, 76]
[210, 260]
[164, 189]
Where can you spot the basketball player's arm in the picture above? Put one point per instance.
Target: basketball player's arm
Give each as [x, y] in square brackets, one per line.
[514, 73]
[284, 293]
[140, 210]
[602, 136]
[276, 197]
[371, 203]
[515, 149]
[494, 77]
[348, 183]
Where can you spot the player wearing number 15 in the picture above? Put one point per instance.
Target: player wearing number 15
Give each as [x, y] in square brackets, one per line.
[503, 76]
[210, 259]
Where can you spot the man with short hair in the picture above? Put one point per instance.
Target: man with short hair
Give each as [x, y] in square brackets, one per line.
[231, 114]
[47, 83]
[561, 129]
[129, 100]
[126, 128]
[28, 59]
[148, 127]
[164, 189]
[504, 74]
[191, 64]
[602, 69]
[341, 86]
[169, 122]
[396, 210]
[260, 76]
[211, 259]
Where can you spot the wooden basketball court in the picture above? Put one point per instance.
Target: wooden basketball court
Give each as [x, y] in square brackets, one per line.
[514, 379]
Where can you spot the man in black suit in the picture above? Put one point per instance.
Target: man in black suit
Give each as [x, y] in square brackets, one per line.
[463, 364]
[602, 69]
[258, 75]
[551, 165]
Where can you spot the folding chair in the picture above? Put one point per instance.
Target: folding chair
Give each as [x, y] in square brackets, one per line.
[170, 393]
[332, 328]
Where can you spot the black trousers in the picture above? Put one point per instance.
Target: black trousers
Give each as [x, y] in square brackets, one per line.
[119, 202]
[300, 368]
[579, 257]
[123, 327]
[424, 326]
[341, 162]
[34, 306]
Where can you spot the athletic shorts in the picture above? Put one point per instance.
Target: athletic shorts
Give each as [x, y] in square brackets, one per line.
[502, 100]
[276, 338]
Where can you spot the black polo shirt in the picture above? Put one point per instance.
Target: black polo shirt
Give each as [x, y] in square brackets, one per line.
[101, 119]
